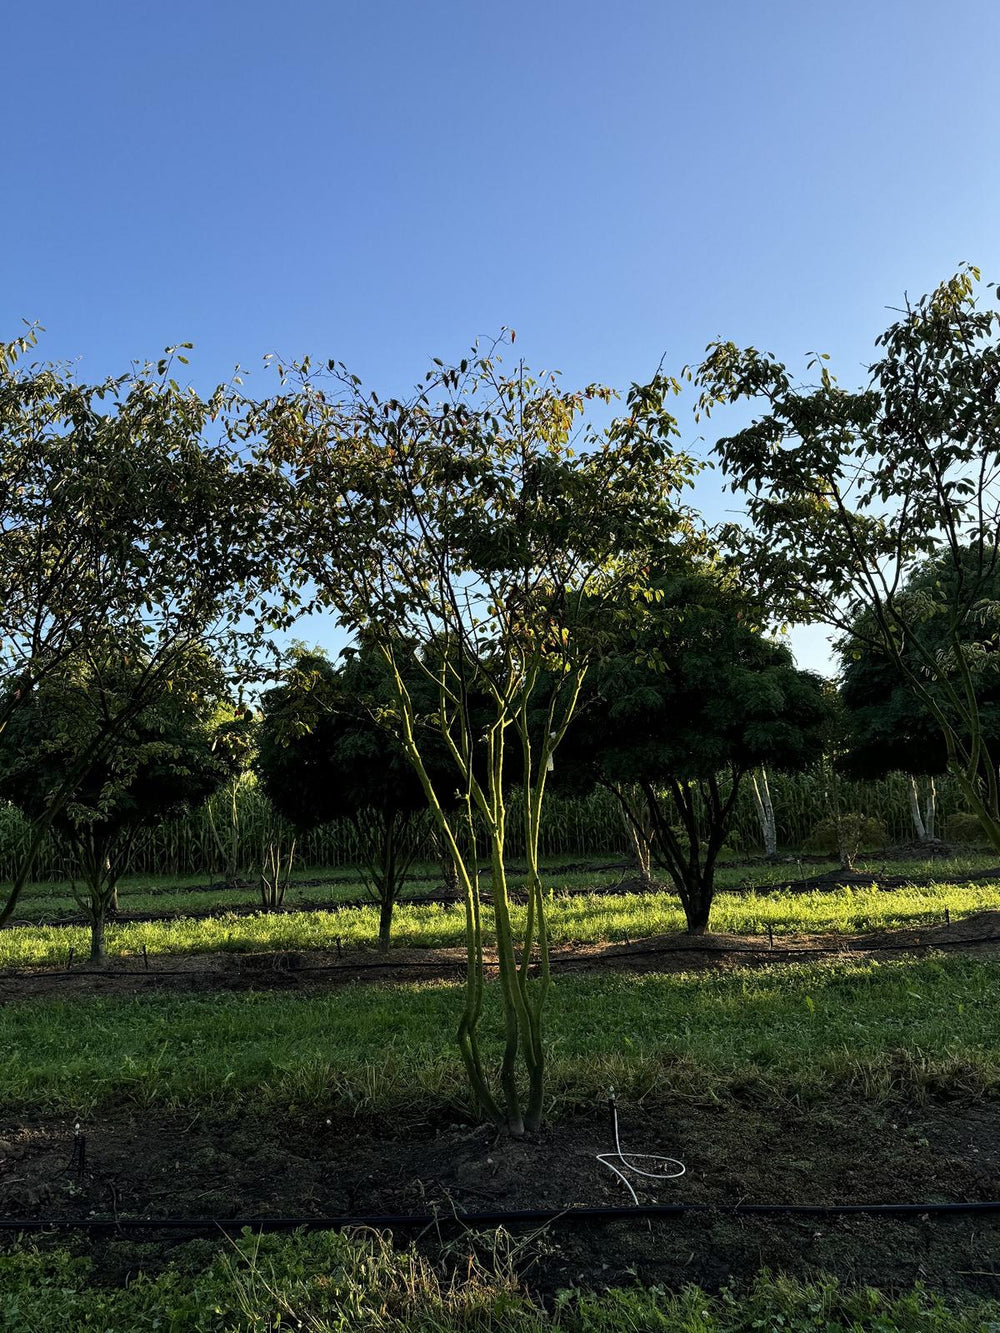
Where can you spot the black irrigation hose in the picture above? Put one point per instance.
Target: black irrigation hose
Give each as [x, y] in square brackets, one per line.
[555, 962]
[516, 1217]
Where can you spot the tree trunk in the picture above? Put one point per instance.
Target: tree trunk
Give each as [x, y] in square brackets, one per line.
[449, 875]
[98, 951]
[642, 858]
[930, 808]
[698, 908]
[918, 823]
[765, 813]
[385, 919]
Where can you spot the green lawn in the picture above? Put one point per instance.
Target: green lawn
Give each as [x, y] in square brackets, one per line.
[797, 1027]
[188, 893]
[582, 918]
[331, 1283]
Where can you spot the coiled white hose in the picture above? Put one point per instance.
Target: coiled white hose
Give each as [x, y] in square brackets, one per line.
[627, 1160]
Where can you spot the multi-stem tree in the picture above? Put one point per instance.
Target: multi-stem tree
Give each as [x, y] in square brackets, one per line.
[467, 533]
[120, 514]
[159, 762]
[849, 494]
[326, 751]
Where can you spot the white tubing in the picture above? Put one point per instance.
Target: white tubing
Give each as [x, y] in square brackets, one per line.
[627, 1160]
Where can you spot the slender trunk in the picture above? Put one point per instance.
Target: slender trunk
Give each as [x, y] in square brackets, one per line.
[765, 812]
[930, 808]
[385, 920]
[918, 823]
[449, 876]
[98, 950]
[642, 852]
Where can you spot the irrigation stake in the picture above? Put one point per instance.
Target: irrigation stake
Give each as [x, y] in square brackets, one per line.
[78, 1157]
[770, 936]
[145, 958]
[69, 961]
[947, 917]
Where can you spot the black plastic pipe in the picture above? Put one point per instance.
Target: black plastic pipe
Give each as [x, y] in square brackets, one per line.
[579, 960]
[516, 1217]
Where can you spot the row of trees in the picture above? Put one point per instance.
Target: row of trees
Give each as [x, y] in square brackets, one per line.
[531, 596]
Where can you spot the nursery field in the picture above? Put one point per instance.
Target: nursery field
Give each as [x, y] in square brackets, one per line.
[851, 1057]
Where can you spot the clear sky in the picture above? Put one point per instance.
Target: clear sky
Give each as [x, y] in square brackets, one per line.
[383, 180]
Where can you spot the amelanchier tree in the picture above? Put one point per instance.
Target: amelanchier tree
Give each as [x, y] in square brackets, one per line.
[159, 762]
[850, 493]
[675, 718]
[325, 751]
[125, 507]
[467, 533]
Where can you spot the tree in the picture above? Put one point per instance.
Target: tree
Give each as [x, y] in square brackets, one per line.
[162, 761]
[326, 752]
[462, 532]
[119, 516]
[889, 727]
[673, 719]
[850, 493]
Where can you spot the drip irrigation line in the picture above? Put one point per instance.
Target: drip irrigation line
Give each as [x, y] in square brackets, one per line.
[556, 961]
[513, 1217]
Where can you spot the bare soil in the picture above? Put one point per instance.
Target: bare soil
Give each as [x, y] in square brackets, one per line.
[157, 1164]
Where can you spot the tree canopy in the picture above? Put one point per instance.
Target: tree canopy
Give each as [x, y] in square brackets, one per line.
[464, 531]
[890, 727]
[849, 493]
[162, 761]
[682, 711]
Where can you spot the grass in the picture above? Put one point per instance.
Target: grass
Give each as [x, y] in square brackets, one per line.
[579, 919]
[332, 1283]
[187, 893]
[868, 1027]
[49, 900]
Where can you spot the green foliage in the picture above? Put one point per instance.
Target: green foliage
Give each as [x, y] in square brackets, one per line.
[890, 727]
[328, 1282]
[849, 494]
[677, 712]
[323, 754]
[58, 760]
[466, 535]
[966, 828]
[851, 830]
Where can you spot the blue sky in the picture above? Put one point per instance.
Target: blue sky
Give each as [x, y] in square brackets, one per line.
[383, 181]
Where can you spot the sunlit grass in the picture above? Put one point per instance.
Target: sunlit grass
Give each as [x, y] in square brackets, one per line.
[804, 1026]
[580, 919]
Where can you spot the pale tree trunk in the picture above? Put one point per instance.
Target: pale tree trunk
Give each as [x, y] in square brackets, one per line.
[765, 812]
[918, 822]
[930, 808]
[640, 837]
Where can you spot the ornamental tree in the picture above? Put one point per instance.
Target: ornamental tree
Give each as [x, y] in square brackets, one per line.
[850, 493]
[467, 533]
[125, 509]
[326, 751]
[161, 761]
[888, 726]
[674, 719]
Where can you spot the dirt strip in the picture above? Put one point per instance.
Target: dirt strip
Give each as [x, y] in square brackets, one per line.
[978, 935]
